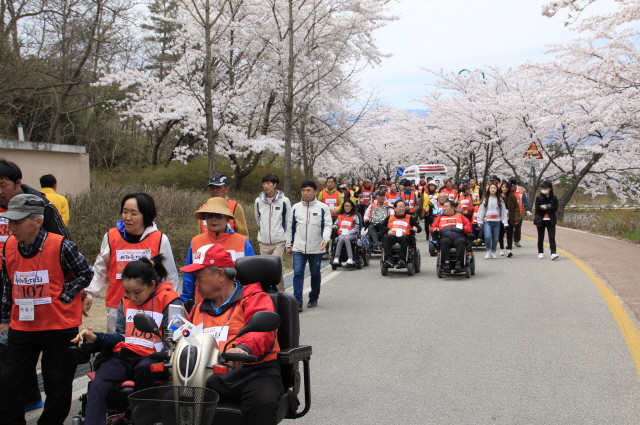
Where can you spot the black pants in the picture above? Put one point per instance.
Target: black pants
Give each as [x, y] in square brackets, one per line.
[389, 240]
[509, 231]
[33, 388]
[58, 370]
[258, 398]
[362, 208]
[428, 221]
[458, 243]
[551, 229]
[517, 232]
[374, 229]
[110, 376]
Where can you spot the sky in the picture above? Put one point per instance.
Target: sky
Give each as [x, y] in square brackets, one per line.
[461, 34]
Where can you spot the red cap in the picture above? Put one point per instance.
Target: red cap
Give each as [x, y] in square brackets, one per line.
[209, 256]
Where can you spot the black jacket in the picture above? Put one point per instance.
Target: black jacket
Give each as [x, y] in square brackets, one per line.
[552, 200]
[413, 222]
[52, 222]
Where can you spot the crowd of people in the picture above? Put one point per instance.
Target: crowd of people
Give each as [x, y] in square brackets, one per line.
[46, 284]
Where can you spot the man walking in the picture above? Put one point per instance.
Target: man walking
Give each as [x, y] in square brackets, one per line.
[272, 212]
[49, 185]
[308, 231]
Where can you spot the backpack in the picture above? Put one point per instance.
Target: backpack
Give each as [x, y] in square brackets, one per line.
[379, 214]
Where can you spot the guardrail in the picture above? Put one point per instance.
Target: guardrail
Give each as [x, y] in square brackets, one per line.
[576, 208]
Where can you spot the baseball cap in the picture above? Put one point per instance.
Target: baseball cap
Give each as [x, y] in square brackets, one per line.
[22, 206]
[494, 177]
[209, 256]
[218, 179]
[513, 181]
[214, 206]
[547, 184]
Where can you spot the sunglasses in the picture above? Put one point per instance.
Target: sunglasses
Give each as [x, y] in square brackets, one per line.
[209, 216]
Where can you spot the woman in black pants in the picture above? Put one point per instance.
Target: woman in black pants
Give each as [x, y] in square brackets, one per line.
[545, 218]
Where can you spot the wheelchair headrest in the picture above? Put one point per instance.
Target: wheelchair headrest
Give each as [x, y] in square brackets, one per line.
[266, 269]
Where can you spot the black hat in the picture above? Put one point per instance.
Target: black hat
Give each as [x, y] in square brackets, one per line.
[218, 179]
[513, 181]
[546, 184]
[494, 177]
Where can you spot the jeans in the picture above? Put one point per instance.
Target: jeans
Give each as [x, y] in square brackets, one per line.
[491, 232]
[551, 230]
[299, 262]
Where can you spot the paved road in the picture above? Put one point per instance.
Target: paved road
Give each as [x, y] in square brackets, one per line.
[525, 341]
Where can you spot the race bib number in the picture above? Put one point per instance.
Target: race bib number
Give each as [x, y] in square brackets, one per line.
[32, 287]
[137, 337]
[4, 229]
[220, 333]
[27, 311]
[125, 256]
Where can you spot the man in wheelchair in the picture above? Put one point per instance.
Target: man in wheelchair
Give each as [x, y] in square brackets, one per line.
[375, 215]
[397, 229]
[226, 308]
[452, 227]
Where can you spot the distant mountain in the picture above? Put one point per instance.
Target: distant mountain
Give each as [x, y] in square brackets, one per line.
[419, 112]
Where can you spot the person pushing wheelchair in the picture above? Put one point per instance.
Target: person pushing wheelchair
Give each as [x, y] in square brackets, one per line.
[452, 227]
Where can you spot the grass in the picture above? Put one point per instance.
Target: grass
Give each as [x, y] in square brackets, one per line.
[616, 223]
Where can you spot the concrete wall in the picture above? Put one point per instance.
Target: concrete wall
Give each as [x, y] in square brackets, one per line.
[70, 164]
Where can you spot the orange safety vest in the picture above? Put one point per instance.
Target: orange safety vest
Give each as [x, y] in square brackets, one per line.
[400, 223]
[519, 192]
[451, 220]
[140, 342]
[4, 231]
[451, 193]
[464, 202]
[40, 279]
[475, 214]
[391, 198]
[122, 253]
[331, 200]
[410, 200]
[227, 325]
[367, 195]
[231, 222]
[345, 224]
[234, 243]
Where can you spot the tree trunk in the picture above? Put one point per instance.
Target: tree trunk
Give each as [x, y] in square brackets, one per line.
[288, 109]
[208, 88]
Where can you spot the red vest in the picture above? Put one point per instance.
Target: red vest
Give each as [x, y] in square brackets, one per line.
[122, 253]
[231, 222]
[230, 322]
[367, 195]
[451, 220]
[40, 279]
[4, 231]
[475, 214]
[234, 243]
[519, 192]
[331, 200]
[464, 202]
[391, 198]
[146, 343]
[451, 193]
[409, 200]
[400, 223]
[345, 223]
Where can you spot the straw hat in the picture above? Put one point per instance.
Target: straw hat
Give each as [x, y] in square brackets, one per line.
[215, 206]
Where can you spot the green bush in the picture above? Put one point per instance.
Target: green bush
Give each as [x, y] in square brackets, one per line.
[612, 222]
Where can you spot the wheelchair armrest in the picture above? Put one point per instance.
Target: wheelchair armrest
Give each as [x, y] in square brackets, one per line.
[295, 354]
[81, 354]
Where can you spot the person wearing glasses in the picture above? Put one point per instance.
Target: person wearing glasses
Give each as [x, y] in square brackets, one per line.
[219, 188]
[217, 214]
[134, 236]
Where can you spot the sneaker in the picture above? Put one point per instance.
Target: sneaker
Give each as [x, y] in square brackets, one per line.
[554, 256]
[325, 257]
[509, 253]
[388, 264]
[447, 267]
[459, 267]
[502, 252]
[486, 257]
[541, 255]
[336, 261]
[493, 255]
[312, 303]
[401, 264]
[517, 244]
[477, 241]
[299, 308]
[33, 405]
[350, 262]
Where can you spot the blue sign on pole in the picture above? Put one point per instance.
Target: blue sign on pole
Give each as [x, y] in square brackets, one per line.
[400, 172]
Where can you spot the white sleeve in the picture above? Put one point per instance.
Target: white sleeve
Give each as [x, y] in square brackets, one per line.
[169, 263]
[100, 268]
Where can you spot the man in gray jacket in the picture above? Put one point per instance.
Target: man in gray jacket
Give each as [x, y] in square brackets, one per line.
[273, 212]
[308, 231]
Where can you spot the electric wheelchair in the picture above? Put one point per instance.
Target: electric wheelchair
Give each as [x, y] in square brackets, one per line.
[360, 247]
[469, 266]
[412, 260]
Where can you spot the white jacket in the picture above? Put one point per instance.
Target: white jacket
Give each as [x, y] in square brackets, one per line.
[310, 224]
[272, 218]
[101, 266]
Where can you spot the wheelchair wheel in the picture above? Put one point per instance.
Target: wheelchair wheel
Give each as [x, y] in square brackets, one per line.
[439, 271]
[366, 257]
[417, 260]
[359, 262]
[334, 266]
[410, 269]
[432, 250]
[467, 270]
[472, 263]
[383, 269]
